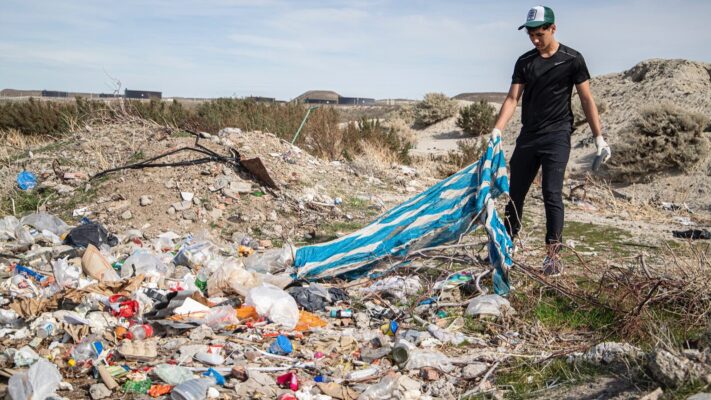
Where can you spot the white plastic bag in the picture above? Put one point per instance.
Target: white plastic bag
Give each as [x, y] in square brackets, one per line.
[8, 224]
[488, 304]
[275, 304]
[434, 359]
[39, 383]
[66, 275]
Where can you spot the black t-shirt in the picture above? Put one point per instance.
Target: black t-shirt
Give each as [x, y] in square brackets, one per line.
[548, 87]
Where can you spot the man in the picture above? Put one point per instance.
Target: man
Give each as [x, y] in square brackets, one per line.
[545, 76]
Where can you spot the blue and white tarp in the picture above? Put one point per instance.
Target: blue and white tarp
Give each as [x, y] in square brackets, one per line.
[442, 214]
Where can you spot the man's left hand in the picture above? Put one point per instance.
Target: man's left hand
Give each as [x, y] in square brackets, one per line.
[603, 149]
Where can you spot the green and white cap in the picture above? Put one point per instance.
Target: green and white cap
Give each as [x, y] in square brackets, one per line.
[537, 16]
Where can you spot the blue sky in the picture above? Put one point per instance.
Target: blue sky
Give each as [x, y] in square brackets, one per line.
[370, 48]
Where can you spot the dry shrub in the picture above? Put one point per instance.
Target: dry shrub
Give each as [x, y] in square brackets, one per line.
[322, 136]
[374, 159]
[469, 151]
[433, 108]
[403, 129]
[477, 119]
[664, 138]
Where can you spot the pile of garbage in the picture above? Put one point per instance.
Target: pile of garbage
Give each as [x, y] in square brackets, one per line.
[85, 312]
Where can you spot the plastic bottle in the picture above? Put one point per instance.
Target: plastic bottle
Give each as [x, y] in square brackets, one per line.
[139, 332]
[201, 280]
[362, 374]
[401, 352]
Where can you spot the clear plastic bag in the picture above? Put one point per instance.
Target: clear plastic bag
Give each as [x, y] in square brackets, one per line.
[220, 317]
[143, 262]
[382, 390]
[271, 261]
[44, 221]
[275, 304]
[173, 374]
[434, 359]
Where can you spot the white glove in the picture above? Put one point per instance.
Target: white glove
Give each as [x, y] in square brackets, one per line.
[602, 147]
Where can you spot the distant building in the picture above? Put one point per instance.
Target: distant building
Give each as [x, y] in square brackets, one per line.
[54, 93]
[142, 94]
[319, 97]
[331, 97]
[355, 100]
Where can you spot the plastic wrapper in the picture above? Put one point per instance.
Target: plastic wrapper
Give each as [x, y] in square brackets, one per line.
[275, 304]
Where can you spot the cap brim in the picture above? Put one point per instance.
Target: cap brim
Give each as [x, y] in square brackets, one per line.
[532, 24]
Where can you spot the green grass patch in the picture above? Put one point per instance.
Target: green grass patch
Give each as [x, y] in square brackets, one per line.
[136, 157]
[603, 240]
[25, 201]
[557, 312]
[523, 378]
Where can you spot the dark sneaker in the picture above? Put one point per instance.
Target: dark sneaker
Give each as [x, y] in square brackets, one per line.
[552, 265]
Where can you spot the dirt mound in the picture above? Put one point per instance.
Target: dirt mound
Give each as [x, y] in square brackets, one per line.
[210, 196]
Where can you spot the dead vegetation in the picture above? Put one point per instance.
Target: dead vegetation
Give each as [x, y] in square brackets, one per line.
[662, 139]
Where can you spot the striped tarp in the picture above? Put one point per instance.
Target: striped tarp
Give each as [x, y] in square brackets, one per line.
[441, 214]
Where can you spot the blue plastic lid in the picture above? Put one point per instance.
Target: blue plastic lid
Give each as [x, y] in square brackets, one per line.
[284, 343]
[26, 180]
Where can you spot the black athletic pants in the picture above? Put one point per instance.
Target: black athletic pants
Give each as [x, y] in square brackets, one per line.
[549, 151]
